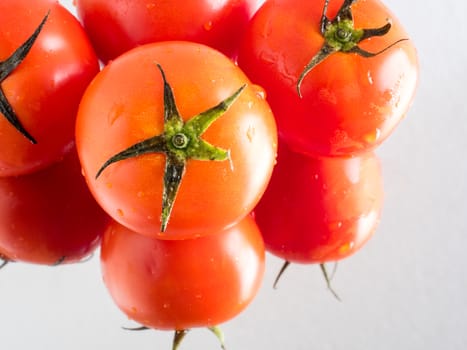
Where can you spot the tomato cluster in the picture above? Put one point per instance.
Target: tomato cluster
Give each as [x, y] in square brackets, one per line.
[338, 84]
[48, 215]
[186, 138]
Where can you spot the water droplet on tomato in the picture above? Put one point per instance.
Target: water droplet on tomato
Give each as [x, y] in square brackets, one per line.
[250, 134]
[231, 164]
[333, 226]
[115, 113]
[259, 91]
[370, 78]
[208, 25]
[373, 136]
[345, 248]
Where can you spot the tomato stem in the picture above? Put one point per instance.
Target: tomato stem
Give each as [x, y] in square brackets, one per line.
[180, 141]
[6, 68]
[340, 36]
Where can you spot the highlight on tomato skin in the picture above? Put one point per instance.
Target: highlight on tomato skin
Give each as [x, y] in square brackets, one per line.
[44, 90]
[319, 210]
[124, 106]
[118, 26]
[348, 104]
[49, 217]
[183, 284]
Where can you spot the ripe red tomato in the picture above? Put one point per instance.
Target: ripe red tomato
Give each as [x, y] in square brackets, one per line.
[43, 91]
[182, 284]
[350, 103]
[317, 210]
[118, 26]
[49, 217]
[125, 114]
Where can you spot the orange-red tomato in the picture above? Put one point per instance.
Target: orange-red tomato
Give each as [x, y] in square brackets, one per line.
[317, 210]
[120, 25]
[349, 103]
[182, 284]
[44, 90]
[124, 106]
[49, 217]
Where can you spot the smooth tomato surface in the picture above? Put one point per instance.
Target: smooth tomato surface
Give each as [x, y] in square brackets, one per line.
[181, 284]
[124, 105]
[46, 87]
[118, 26]
[320, 210]
[349, 103]
[50, 216]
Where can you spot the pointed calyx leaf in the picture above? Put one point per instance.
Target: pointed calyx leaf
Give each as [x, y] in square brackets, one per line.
[3, 261]
[179, 142]
[219, 334]
[340, 35]
[6, 68]
[328, 278]
[179, 335]
[280, 273]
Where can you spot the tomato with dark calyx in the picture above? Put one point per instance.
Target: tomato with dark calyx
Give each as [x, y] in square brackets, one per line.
[46, 62]
[319, 210]
[174, 135]
[49, 217]
[118, 26]
[183, 284]
[338, 80]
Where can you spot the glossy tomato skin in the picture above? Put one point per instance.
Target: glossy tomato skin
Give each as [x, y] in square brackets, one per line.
[182, 284]
[45, 89]
[317, 210]
[350, 104]
[118, 26]
[124, 105]
[50, 216]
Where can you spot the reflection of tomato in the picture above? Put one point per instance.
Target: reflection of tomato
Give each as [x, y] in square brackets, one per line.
[124, 106]
[349, 103]
[182, 284]
[45, 88]
[320, 210]
[117, 26]
[49, 216]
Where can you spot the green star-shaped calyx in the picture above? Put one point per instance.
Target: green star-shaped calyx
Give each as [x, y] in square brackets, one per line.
[340, 36]
[180, 141]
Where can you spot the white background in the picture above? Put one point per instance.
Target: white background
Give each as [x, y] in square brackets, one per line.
[405, 290]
